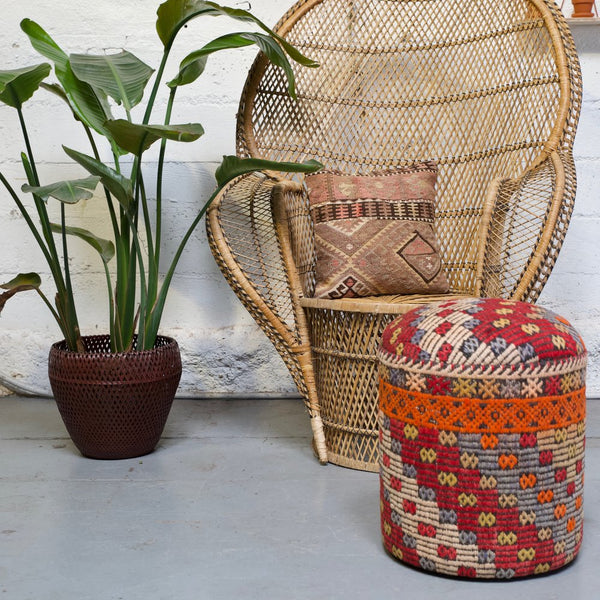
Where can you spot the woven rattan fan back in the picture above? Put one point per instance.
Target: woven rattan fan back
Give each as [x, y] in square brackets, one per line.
[480, 86]
[489, 89]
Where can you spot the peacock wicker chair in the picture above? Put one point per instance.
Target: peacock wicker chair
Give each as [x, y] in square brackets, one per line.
[489, 89]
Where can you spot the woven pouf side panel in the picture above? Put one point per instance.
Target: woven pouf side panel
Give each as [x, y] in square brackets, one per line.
[482, 505]
[482, 466]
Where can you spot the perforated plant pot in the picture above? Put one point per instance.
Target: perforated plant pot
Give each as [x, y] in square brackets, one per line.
[114, 405]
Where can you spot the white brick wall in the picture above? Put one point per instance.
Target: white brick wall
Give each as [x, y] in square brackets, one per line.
[223, 351]
[573, 289]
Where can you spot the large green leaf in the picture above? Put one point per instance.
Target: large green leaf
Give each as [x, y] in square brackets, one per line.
[174, 14]
[121, 76]
[86, 104]
[138, 138]
[105, 248]
[21, 283]
[18, 85]
[120, 187]
[69, 192]
[233, 166]
[57, 90]
[192, 66]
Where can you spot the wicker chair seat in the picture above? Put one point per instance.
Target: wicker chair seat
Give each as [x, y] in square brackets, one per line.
[390, 304]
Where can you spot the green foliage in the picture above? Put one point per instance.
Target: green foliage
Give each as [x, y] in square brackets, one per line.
[69, 192]
[193, 65]
[138, 138]
[114, 183]
[89, 106]
[105, 248]
[18, 85]
[234, 166]
[93, 86]
[23, 282]
[121, 76]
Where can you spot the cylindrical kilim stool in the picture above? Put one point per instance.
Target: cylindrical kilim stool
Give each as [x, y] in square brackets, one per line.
[482, 423]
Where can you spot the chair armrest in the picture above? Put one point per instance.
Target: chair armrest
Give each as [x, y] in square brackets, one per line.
[291, 213]
[523, 227]
[245, 242]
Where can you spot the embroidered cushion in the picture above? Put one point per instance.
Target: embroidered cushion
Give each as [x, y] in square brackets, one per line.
[374, 234]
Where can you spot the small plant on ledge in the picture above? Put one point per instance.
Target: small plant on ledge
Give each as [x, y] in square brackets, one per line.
[584, 9]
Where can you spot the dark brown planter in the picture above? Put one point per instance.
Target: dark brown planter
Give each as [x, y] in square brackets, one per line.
[114, 405]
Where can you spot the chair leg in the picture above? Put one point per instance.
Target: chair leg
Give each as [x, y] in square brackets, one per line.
[312, 403]
[319, 444]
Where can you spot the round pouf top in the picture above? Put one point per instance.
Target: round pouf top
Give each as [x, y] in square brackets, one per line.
[482, 425]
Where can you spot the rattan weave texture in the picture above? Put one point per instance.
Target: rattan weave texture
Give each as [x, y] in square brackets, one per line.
[488, 89]
[114, 405]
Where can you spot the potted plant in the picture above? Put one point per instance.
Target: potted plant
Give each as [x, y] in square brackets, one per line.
[583, 8]
[115, 391]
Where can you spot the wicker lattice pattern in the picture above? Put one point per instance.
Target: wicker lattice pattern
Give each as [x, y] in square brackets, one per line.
[482, 414]
[488, 89]
[114, 405]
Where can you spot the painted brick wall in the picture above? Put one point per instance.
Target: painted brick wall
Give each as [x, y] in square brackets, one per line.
[223, 351]
[573, 289]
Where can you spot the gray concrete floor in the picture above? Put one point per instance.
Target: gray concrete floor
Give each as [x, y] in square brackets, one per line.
[232, 504]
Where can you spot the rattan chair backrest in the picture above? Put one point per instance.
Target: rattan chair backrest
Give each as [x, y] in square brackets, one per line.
[483, 87]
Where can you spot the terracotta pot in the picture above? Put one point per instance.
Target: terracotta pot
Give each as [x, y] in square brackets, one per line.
[583, 9]
[114, 405]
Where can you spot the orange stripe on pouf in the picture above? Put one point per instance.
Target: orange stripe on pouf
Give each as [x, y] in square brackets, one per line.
[474, 415]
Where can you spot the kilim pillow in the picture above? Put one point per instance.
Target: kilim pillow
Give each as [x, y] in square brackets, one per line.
[374, 233]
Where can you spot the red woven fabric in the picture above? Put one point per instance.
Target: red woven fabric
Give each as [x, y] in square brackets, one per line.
[482, 438]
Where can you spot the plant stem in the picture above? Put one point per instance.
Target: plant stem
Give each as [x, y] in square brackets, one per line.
[111, 208]
[38, 238]
[140, 258]
[152, 267]
[126, 276]
[49, 305]
[28, 220]
[157, 80]
[68, 316]
[157, 310]
[67, 270]
[111, 308]
[36, 179]
[114, 329]
[146, 215]
[159, 179]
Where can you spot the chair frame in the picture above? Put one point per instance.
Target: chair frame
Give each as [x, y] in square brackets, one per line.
[260, 234]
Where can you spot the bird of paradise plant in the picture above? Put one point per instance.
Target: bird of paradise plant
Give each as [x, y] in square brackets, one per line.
[93, 86]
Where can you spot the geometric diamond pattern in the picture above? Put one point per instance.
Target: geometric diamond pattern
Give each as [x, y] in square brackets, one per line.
[377, 231]
[482, 444]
